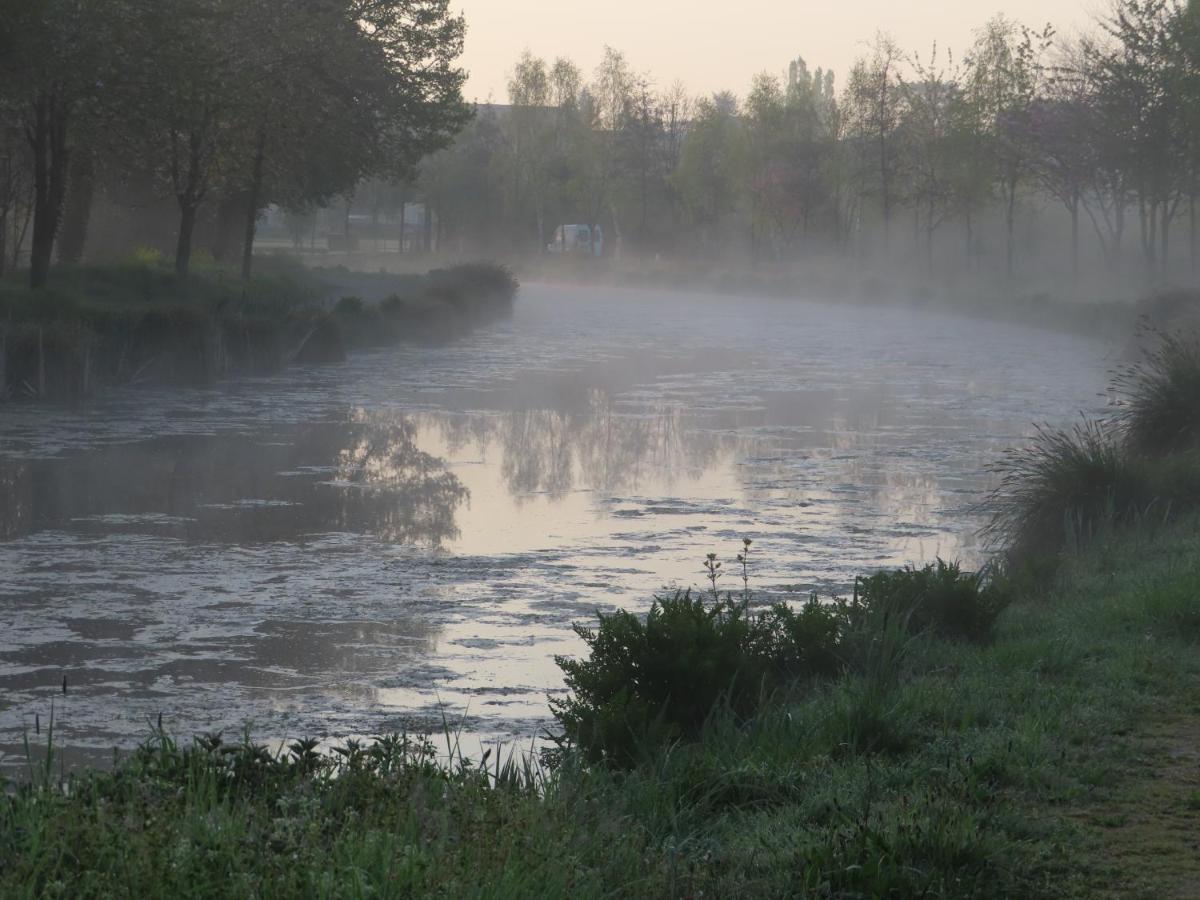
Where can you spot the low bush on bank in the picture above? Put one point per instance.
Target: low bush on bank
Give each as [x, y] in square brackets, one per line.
[654, 680]
[650, 681]
[440, 306]
[940, 598]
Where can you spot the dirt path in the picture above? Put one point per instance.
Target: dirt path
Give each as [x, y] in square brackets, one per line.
[1146, 836]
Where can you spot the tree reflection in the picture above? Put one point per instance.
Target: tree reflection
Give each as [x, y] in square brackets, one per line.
[593, 446]
[395, 490]
[16, 498]
[365, 476]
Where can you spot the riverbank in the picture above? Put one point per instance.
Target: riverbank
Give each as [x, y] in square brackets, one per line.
[1015, 768]
[1107, 311]
[135, 322]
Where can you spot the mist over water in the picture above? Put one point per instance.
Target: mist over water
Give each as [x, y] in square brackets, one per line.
[338, 551]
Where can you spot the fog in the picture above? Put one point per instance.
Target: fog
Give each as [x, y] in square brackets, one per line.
[496, 448]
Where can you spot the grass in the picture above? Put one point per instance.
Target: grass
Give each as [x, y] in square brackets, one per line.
[1162, 412]
[1069, 485]
[957, 769]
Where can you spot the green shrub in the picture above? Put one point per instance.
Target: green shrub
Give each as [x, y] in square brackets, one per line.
[648, 681]
[939, 598]
[350, 307]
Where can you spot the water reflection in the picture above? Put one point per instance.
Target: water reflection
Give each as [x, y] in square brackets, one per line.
[366, 477]
[595, 447]
[396, 491]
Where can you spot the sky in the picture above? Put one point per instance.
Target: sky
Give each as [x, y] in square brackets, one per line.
[712, 46]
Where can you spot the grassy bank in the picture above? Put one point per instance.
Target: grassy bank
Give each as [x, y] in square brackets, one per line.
[135, 322]
[1007, 768]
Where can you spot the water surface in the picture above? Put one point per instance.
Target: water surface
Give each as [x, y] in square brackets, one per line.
[365, 548]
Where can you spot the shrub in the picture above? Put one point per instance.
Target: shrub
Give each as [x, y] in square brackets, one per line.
[654, 680]
[350, 307]
[939, 598]
[1162, 414]
[146, 256]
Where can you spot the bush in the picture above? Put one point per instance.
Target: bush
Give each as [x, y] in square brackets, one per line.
[940, 598]
[655, 680]
[1162, 414]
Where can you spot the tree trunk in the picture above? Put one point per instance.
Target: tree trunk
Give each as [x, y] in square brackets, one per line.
[1010, 216]
[970, 238]
[1148, 220]
[256, 178]
[1164, 240]
[1075, 240]
[929, 229]
[1192, 233]
[187, 228]
[78, 210]
[48, 138]
[1118, 237]
[20, 233]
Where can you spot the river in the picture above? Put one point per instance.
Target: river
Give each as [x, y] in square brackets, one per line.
[406, 539]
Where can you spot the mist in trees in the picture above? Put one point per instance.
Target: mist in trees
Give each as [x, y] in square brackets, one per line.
[232, 105]
[969, 162]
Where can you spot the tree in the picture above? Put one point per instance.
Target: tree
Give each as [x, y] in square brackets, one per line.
[528, 130]
[929, 106]
[1004, 78]
[55, 60]
[1141, 74]
[874, 106]
[711, 164]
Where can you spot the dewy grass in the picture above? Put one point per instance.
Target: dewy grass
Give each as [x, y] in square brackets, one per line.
[971, 773]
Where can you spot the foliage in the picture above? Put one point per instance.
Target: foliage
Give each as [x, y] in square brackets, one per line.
[244, 101]
[646, 682]
[939, 597]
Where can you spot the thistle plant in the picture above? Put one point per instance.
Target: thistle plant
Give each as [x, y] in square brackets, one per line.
[714, 572]
[744, 559]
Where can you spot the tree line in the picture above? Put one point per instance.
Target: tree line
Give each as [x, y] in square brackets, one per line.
[222, 107]
[913, 148]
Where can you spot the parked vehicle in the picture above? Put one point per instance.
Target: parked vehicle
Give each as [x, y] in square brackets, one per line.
[569, 240]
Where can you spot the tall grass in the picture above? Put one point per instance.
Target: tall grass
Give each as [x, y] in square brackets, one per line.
[1066, 484]
[1142, 466]
[1162, 394]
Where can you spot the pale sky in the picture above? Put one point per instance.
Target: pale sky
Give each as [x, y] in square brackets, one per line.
[712, 46]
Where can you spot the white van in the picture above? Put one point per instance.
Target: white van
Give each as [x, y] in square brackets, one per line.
[577, 239]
